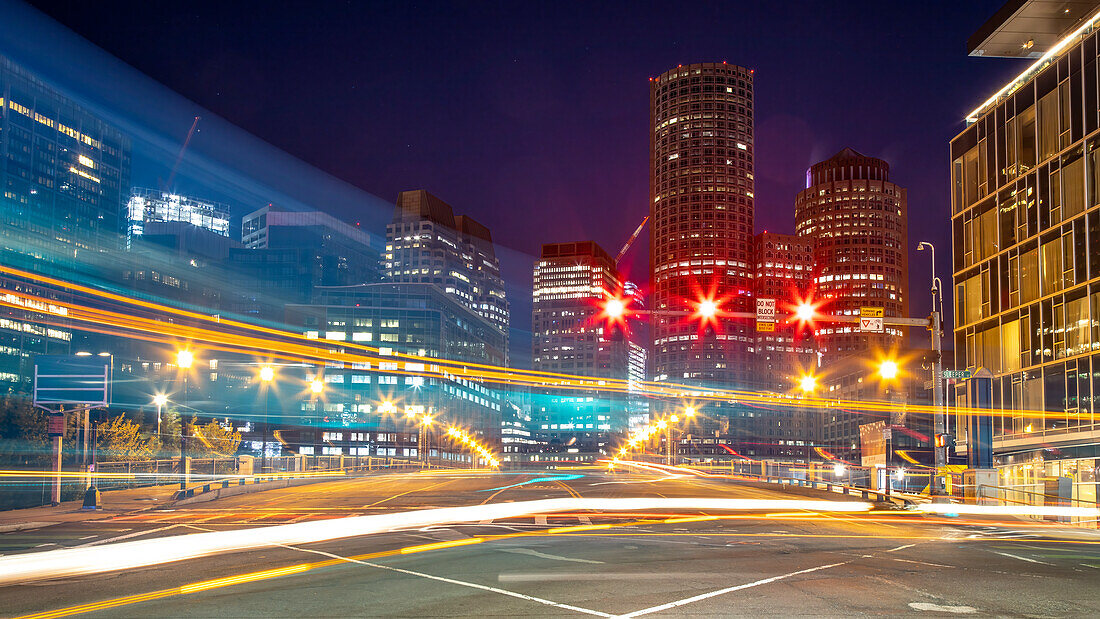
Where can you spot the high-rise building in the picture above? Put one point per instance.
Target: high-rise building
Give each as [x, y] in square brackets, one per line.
[572, 281]
[148, 208]
[701, 226]
[381, 402]
[637, 403]
[784, 272]
[1025, 221]
[427, 243]
[856, 219]
[62, 184]
[287, 254]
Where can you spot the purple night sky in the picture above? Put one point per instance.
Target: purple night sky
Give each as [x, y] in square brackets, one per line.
[531, 117]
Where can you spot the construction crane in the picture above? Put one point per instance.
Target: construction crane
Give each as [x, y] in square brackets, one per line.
[630, 241]
[179, 157]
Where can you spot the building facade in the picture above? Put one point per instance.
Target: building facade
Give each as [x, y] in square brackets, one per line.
[784, 272]
[857, 220]
[374, 405]
[427, 243]
[63, 177]
[571, 335]
[149, 207]
[287, 254]
[701, 227]
[1025, 222]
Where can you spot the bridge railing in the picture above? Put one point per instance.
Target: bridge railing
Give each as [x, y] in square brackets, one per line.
[139, 473]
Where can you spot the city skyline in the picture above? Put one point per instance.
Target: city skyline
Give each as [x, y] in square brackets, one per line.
[793, 133]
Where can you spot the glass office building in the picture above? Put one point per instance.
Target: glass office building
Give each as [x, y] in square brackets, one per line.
[371, 403]
[1025, 219]
[64, 173]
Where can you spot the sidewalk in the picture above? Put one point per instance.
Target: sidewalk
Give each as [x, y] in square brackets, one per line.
[114, 502]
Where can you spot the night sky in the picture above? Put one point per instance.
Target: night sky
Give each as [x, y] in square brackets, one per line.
[532, 117]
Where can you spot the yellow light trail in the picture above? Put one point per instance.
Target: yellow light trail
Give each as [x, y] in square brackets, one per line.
[291, 346]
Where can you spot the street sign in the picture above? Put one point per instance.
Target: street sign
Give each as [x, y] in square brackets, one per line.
[956, 373]
[765, 310]
[765, 327]
[80, 382]
[871, 320]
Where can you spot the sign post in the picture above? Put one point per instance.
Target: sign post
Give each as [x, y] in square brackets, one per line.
[81, 382]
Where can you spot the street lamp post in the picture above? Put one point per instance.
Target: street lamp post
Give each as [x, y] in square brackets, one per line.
[184, 359]
[160, 400]
[267, 374]
[939, 422]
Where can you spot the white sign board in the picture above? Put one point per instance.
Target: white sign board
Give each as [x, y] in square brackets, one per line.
[765, 310]
[871, 325]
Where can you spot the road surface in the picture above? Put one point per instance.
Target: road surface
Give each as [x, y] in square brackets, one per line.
[687, 562]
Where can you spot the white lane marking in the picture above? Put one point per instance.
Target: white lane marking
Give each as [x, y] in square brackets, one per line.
[486, 521]
[923, 563]
[46, 544]
[963, 610]
[87, 537]
[697, 598]
[901, 548]
[127, 536]
[1005, 554]
[543, 555]
[472, 585]
[540, 520]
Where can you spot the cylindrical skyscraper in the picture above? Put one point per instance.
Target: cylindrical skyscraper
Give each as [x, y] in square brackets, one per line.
[857, 219]
[701, 189]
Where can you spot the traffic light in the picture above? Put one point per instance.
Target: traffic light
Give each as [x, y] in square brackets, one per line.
[945, 440]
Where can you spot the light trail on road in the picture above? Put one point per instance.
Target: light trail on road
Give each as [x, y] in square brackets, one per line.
[144, 553]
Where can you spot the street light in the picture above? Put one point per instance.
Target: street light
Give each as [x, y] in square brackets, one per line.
[808, 383]
[267, 374]
[184, 360]
[888, 369]
[690, 411]
[939, 425]
[160, 400]
[316, 385]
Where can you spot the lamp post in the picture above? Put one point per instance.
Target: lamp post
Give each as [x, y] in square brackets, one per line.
[160, 400]
[939, 422]
[888, 371]
[184, 360]
[267, 374]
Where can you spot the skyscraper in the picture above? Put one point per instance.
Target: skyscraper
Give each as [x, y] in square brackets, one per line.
[62, 182]
[571, 283]
[857, 220]
[701, 208]
[427, 243]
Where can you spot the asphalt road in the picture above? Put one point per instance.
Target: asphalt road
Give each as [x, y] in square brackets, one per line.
[783, 563]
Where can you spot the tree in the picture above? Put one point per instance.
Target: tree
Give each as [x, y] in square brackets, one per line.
[23, 439]
[121, 439]
[214, 440]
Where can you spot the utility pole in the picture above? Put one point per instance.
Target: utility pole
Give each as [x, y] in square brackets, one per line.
[939, 425]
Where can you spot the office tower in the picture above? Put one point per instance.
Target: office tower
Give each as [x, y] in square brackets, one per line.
[856, 219]
[287, 254]
[1025, 224]
[148, 210]
[62, 184]
[427, 243]
[701, 201]
[784, 272]
[373, 408]
[637, 402]
[572, 281]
